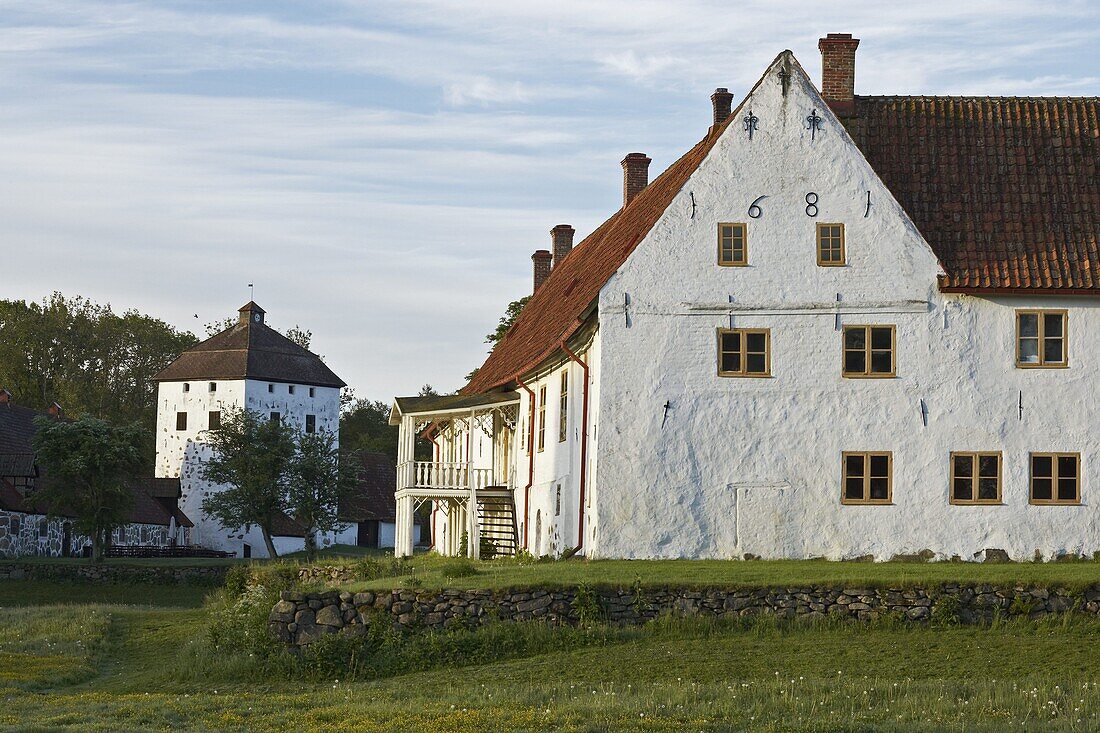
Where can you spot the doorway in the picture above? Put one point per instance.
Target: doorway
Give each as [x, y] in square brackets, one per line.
[368, 534]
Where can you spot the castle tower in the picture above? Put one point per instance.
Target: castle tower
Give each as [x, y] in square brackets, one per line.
[249, 365]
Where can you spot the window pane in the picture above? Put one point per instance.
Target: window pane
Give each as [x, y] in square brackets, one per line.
[853, 488]
[964, 466]
[755, 342]
[755, 364]
[731, 362]
[1040, 488]
[1029, 351]
[879, 488]
[880, 466]
[882, 362]
[963, 489]
[855, 338]
[1067, 466]
[855, 362]
[1067, 489]
[988, 466]
[1042, 466]
[1029, 324]
[881, 338]
[987, 489]
[731, 341]
[1052, 350]
[853, 465]
[1052, 324]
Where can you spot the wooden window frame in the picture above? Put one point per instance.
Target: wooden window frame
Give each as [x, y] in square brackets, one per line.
[181, 421]
[744, 261]
[311, 424]
[867, 350]
[563, 407]
[213, 419]
[976, 456]
[1053, 500]
[743, 374]
[542, 419]
[867, 501]
[843, 246]
[1040, 314]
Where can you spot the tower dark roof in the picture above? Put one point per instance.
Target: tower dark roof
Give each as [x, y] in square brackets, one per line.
[250, 349]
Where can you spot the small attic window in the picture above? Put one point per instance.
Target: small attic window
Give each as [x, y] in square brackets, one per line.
[186, 387]
[271, 388]
[290, 389]
[213, 386]
[312, 392]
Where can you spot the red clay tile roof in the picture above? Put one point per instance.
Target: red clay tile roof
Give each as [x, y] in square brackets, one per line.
[1005, 190]
[372, 497]
[250, 351]
[553, 312]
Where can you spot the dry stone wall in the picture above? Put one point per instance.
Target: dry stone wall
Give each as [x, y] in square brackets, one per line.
[210, 575]
[299, 619]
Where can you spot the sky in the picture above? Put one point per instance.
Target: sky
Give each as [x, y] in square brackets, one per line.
[382, 171]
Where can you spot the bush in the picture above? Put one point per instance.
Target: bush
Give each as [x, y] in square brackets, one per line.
[240, 625]
[457, 567]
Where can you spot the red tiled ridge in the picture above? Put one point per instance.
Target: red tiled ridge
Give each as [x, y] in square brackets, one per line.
[1006, 190]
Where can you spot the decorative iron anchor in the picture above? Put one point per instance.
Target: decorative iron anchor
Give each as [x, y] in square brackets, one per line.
[813, 122]
[750, 121]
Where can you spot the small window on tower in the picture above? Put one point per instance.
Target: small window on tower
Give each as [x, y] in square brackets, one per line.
[276, 417]
[186, 387]
[270, 388]
[181, 421]
[312, 392]
[215, 419]
[213, 386]
[311, 423]
[290, 389]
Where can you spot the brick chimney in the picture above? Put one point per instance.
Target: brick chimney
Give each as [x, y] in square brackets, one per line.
[838, 71]
[561, 237]
[722, 101]
[54, 410]
[5, 397]
[635, 175]
[541, 259]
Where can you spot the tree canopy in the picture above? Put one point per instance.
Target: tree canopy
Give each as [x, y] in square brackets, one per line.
[88, 464]
[86, 357]
[320, 476]
[511, 313]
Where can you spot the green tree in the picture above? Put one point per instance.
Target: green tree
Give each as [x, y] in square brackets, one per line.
[507, 320]
[365, 426]
[319, 477]
[86, 357]
[88, 464]
[252, 457]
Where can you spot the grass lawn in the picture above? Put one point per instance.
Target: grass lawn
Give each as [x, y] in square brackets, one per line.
[47, 593]
[102, 666]
[433, 571]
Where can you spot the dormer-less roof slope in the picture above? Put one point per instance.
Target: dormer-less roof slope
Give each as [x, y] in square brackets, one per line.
[554, 311]
[16, 431]
[1006, 190]
[250, 349]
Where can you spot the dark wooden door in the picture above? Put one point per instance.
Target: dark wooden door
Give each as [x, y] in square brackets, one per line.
[368, 533]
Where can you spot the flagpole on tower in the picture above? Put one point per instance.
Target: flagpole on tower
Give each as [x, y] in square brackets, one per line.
[250, 293]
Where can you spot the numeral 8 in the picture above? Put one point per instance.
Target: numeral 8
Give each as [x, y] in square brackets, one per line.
[811, 204]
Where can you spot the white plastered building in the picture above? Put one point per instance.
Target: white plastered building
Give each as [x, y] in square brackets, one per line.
[251, 366]
[839, 326]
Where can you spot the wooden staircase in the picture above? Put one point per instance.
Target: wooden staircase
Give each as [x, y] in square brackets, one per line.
[497, 517]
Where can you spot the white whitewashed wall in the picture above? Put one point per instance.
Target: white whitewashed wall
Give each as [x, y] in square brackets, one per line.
[754, 465]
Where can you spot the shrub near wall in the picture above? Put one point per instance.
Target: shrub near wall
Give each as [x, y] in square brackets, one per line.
[299, 619]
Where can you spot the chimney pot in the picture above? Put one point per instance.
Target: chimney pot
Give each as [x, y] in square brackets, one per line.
[722, 101]
[561, 237]
[55, 410]
[635, 175]
[541, 260]
[838, 72]
[5, 397]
